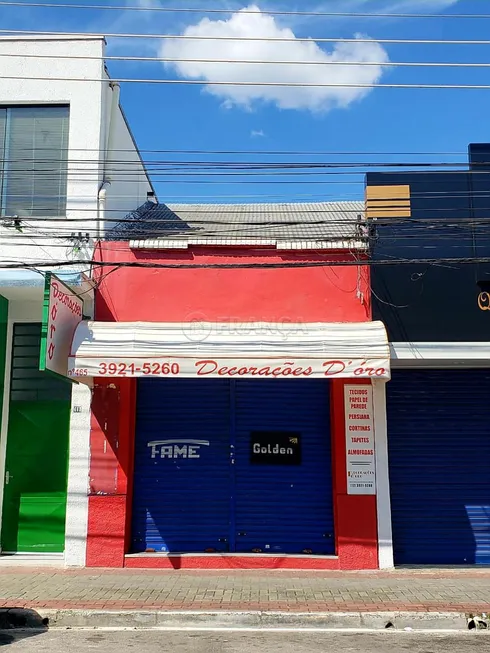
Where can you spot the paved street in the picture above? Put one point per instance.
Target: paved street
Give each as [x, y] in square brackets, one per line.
[125, 589]
[250, 642]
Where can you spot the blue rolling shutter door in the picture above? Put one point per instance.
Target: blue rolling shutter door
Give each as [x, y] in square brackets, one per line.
[181, 502]
[439, 458]
[284, 508]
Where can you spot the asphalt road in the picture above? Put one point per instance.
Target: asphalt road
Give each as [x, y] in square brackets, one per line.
[247, 642]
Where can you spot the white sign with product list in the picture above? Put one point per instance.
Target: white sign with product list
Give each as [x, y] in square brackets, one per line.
[359, 432]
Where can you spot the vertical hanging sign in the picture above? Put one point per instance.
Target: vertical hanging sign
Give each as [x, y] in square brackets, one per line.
[359, 432]
[63, 311]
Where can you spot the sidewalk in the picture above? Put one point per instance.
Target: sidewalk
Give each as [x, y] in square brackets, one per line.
[416, 590]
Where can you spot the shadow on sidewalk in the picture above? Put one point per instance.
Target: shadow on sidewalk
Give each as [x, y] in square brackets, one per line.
[19, 623]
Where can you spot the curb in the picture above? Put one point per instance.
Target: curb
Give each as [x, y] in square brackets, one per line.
[260, 620]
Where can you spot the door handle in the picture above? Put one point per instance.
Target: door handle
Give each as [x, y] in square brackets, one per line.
[8, 477]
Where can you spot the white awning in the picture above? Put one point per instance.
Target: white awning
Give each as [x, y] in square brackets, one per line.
[230, 350]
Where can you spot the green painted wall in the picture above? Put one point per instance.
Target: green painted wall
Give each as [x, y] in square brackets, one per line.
[34, 502]
[4, 307]
[34, 506]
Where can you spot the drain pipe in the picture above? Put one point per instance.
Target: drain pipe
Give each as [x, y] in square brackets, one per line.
[101, 206]
[106, 178]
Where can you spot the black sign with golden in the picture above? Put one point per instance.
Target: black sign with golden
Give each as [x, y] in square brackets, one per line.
[275, 448]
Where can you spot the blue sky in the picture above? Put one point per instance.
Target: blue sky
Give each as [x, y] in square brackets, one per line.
[184, 117]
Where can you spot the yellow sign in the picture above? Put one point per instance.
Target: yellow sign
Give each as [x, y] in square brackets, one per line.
[484, 301]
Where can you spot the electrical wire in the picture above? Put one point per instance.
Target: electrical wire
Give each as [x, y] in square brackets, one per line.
[248, 165]
[53, 241]
[303, 229]
[122, 35]
[251, 266]
[268, 12]
[440, 229]
[201, 82]
[290, 217]
[248, 152]
[388, 64]
[288, 209]
[254, 209]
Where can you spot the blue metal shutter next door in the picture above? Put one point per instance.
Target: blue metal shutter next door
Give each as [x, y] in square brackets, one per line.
[439, 462]
[283, 508]
[181, 499]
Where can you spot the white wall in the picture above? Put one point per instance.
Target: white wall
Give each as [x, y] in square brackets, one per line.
[383, 500]
[85, 99]
[90, 103]
[78, 475]
[129, 182]
[77, 83]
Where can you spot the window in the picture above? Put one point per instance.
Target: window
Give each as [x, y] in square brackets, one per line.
[27, 383]
[33, 161]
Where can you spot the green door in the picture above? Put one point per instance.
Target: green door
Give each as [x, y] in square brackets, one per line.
[34, 500]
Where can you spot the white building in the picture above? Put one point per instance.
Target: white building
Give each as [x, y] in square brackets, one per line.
[68, 168]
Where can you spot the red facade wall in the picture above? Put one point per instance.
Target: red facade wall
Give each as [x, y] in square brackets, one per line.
[302, 294]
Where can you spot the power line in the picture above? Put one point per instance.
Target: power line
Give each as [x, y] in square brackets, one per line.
[83, 174]
[286, 208]
[200, 82]
[315, 247]
[254, 234]
[211, 182]
[287, 199]
[262, 230]
[389, 64]
[71, 244]
[241, 11]
[36, 167]
[177, 37]
[260, 209]
[178, 229]
[345, 229]
[122, 166]
[224, 266]
[34, 159]
[247, 152]
[279, 198]
[438, 229]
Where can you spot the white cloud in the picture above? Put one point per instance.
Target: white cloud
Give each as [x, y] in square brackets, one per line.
[264, 26]
[257, 133]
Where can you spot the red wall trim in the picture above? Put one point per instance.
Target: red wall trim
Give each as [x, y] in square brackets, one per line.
[229, 562]
[106, 531]
[111, 472]
[131, 421]
[356, 528]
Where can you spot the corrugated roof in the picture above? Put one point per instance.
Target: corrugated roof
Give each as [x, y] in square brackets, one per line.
[284, 225]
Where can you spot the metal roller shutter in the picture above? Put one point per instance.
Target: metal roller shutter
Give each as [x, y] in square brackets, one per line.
[196, 487]
[284, 508]
[181, 500]
[439, 458]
